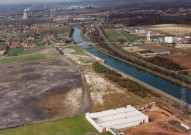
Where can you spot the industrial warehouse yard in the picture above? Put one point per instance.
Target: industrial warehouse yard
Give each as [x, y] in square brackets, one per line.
[181, 56]
[163, 120]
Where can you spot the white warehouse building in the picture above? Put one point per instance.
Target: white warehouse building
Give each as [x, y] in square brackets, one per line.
[116, 118]
[168, 40]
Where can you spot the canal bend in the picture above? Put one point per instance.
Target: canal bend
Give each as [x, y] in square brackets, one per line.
[162, 84]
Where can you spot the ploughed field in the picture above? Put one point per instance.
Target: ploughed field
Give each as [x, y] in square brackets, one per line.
[38, 90]
[175, 29]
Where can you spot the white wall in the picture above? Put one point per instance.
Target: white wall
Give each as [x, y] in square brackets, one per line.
[93, 123]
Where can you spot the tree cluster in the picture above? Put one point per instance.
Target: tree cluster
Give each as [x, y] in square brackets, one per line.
[164, 62]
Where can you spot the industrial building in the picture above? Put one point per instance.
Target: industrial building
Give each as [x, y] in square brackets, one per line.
[169, 40]
[153, 53]
[116, 118]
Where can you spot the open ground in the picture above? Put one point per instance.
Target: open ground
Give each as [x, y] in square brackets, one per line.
[39, 90]
[60, 93]
[162, 120]
[184, 60]
[174, 29]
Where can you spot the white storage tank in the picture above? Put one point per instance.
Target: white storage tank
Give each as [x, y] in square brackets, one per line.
[168, 40]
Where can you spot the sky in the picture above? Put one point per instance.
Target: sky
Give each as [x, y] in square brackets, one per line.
[28, 1]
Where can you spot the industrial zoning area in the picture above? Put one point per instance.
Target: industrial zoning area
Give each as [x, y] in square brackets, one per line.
[57, 75]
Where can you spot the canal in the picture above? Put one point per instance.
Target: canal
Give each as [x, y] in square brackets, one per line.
[162, 84]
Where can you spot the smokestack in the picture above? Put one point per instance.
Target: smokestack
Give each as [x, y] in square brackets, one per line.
[149, 36]
[25, 15]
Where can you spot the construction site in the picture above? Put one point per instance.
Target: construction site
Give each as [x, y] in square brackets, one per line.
[146, 119]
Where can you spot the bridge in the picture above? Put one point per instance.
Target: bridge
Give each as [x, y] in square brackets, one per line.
[87, 43]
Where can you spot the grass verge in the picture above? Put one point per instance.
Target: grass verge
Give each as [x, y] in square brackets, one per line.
[78, 50]
[71, 126]
[28, 58]
[16, 51]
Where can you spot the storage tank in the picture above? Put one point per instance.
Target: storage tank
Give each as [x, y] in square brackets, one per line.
[168, 40]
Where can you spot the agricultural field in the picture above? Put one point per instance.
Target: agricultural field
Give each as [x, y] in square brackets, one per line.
[118, 36]
[77, 125]
[16, 51]
[46, 54]
[131, 37]
[111, 37]
[77, 50]
[189, 73]
[174, 29]
[114, 36]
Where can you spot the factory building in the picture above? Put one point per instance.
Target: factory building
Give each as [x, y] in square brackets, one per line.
[168, 40]
[153, 53]
[116, 118]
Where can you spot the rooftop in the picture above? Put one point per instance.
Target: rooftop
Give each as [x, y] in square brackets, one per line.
[118, 118]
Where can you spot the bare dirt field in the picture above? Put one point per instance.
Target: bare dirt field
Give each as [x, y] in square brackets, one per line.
[154, 129]
[40, 90]
[175, 29]
[106, 95]
[162, 121]
[184, 60]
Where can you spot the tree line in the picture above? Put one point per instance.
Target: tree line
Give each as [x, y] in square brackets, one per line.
[126, 83]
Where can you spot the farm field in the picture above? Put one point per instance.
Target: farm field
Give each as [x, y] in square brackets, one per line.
[111, 37]
[71, 126]
[174, 29]
[16, 51]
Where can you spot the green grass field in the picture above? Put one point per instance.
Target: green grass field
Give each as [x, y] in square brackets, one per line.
[84, 60]
[22, 59]
[131, 37]
[111, 37]
[35, 49]
[16, 51]
[29, 58]
[71, 126]
[189, 73]
[78, 50]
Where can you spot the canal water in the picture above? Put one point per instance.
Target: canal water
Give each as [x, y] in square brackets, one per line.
[162, 84]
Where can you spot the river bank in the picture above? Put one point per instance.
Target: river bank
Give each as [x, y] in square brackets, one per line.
[179, 82]
[148, 86]
[146, 69]
[155, 81]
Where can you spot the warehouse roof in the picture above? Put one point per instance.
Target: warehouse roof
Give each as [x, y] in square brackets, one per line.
[146, 52]
[118, 118]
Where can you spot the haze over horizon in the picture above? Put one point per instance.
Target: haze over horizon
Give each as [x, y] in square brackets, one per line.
[37, 1]
[32, 1]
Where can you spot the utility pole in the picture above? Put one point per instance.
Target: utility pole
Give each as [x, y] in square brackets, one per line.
[183, 103]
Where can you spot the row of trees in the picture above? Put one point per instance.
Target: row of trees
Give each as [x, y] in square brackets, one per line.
[164, 62]
[130, 85]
